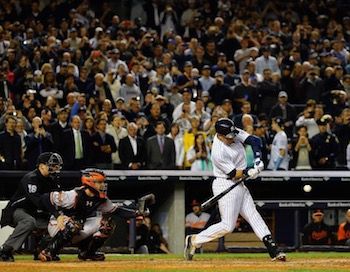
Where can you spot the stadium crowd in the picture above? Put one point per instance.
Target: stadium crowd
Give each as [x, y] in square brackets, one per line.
[145, 92]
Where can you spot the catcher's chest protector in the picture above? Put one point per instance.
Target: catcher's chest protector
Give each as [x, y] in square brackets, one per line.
[85, 206]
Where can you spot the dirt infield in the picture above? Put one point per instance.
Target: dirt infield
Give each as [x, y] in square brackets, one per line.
[207, 262]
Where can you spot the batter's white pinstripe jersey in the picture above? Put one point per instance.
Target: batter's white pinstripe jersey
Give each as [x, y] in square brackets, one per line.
[226, 158]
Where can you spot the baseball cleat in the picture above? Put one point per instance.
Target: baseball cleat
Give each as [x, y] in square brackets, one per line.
[280, 257]
[190, 249]
[96, 256]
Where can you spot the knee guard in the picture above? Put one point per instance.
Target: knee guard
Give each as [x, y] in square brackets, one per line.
[107, 227]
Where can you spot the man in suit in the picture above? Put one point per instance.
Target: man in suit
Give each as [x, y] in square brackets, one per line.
[103, 146]
[37, 142]
[132, 149]
[57, 128]
[160, 150]
[75, 146]
[10, 146]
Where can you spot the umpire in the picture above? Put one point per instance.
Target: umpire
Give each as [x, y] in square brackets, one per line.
[24, 211]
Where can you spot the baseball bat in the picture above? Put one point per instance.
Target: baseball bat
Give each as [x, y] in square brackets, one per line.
[211, 201]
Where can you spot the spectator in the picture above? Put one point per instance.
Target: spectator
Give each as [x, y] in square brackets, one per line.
[219, 91]
[286, 111]
[342, 131]
[343, 234]
[196, 221]
[118, 132]
[11, 153]
[157, 243]
[266, 61]
[160, 150]
[76, 146]
[317, 232]
[279, 158]
[267, 92]
[200, 112]
[308, 120]
[56, 129]
[103, 146]
[245, 109]
[186, 97]
[231, 78]
[142, 236]
[260, 131]
[132, 150]
[153, 119]
[129, 89]
[348, 156]
[176, 135]
[245, 91]
[206, 80]
[89, 125]
[37, 142]
[199, 155]
[301, 150]
[324, 147]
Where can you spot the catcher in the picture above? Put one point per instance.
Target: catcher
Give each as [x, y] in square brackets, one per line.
[82, 216]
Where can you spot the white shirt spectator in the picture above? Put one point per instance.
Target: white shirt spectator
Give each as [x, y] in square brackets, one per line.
[264, 63]
[280, 141]
[311, 125]
[206, 82]
[179, 149]
[178, 110]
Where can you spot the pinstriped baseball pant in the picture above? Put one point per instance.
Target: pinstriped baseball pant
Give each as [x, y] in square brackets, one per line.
[238, 201]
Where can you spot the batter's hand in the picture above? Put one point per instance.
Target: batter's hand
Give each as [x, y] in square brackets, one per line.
[258, 165]
[253, 173]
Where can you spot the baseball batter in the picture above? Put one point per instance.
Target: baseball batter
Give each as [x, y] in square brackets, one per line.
[229, 165]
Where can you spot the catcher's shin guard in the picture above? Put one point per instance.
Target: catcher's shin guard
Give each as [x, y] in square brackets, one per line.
[88, 249]
[272, 249]
[62, 238]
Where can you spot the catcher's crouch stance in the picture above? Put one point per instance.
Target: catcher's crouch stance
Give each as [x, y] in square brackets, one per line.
[82, 216]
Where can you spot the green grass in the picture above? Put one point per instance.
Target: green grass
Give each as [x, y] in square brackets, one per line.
[293, 255]
[257, 262]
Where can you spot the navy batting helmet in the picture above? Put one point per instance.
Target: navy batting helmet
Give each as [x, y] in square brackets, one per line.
[226, 127]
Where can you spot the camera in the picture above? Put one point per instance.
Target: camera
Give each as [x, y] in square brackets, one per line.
[311, 114]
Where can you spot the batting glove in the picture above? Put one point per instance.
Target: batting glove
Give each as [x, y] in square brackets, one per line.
[253, 173]
[258, 164]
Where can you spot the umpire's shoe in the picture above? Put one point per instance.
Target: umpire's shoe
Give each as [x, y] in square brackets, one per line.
[96, 256]
[6, 255]
[190, 249]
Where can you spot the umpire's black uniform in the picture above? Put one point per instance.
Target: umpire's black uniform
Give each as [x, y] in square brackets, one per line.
[25, 211]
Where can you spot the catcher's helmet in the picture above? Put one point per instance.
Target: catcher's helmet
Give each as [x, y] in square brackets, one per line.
[95, 179]
[52, 160]
[226, 127]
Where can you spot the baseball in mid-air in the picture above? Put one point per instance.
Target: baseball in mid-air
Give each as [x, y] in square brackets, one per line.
[307, 188]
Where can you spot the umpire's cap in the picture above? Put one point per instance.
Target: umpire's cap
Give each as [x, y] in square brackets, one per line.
[226, 127]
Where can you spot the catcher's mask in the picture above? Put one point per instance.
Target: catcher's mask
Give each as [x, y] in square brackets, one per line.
[52, 160]
[95, 179]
